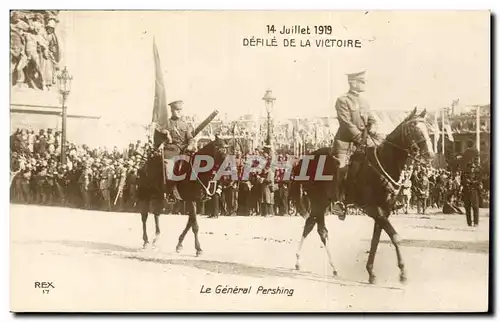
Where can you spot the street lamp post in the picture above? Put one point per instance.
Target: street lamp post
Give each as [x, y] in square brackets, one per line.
[269, 99]
[64, 85]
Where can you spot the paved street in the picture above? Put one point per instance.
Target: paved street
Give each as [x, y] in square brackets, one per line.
[96, 262]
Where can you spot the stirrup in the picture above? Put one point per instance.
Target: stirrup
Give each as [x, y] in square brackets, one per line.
[343, 210]
[171, 199]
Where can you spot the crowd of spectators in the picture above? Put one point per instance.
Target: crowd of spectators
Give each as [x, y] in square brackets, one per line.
[106, 179]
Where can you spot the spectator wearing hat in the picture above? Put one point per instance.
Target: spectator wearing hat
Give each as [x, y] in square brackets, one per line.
[131, 185]
[267, 191]
[105, 184]
[40, 178]
[84, 183]
[26, 175]
[471, 191]
[422, 191]
[120, 182]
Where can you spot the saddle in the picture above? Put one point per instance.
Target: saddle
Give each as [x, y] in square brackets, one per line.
[171, 150]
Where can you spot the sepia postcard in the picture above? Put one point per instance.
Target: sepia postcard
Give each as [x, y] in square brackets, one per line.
[250, 161]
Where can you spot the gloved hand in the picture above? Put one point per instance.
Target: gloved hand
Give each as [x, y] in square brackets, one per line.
[190, 148]
[358, 139]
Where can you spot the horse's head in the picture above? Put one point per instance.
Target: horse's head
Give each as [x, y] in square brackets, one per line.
[412, 135]
[217, 149]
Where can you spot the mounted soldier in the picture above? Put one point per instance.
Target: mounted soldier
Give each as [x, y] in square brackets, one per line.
[356, 132]
[177, 139]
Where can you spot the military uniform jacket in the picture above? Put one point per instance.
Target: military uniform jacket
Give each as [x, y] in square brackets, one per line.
[471, 179]
[106, 178]
[180, 131]
[422, 190]
[267, 192]
[353, 113]
[85, 178]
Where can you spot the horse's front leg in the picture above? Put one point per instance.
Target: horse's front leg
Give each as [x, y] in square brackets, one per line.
[195, 228]
[395, 239]
[381, 218]
[144, 218]
[157, 229]
[191, 210]
[179, 246]
[373, 251]
[319, 211]
[308, 227]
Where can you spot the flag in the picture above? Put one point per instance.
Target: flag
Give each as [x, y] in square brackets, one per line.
[454, 104]
[435, 129]
[235, 128]
[449, 133]
[210, 131]
[161, 117]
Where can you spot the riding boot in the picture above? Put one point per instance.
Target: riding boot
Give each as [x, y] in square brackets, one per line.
[350, 183]
[338, 206]
[169, 188]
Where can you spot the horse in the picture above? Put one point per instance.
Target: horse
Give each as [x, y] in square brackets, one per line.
[375, 188]
[151, 189]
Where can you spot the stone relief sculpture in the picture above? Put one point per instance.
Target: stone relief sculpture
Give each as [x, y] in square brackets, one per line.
[34, 49]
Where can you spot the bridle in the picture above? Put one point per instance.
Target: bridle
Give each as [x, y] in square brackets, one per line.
[407, 131]
[414, 145]
[212, 183]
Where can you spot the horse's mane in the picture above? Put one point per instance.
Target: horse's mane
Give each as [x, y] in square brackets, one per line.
[207, 147]
[413, 115]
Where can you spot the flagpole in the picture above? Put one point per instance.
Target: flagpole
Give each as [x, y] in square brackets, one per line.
[442, 131]
[443, 139]
[436, 133]
[478, 130]
[163, 167]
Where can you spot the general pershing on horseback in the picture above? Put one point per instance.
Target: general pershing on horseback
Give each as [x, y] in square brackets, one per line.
[357, 131]
[373, 170]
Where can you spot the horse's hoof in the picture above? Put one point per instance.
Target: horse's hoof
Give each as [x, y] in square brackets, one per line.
[335, 273]
[402, 278]
[297, 267]
[372, 279]
[199, 253]
[178, 248]
[145, 245]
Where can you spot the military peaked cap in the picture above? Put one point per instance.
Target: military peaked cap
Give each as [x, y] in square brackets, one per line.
[356, 76]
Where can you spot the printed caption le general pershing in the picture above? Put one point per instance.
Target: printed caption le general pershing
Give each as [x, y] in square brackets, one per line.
[236, 290]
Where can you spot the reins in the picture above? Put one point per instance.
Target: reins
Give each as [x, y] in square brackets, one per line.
[383, 172]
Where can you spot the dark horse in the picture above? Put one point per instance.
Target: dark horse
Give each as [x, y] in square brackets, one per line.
[376, 185]
[151, 188]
